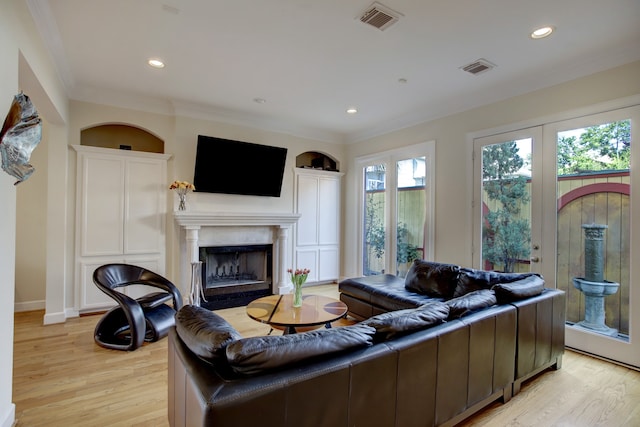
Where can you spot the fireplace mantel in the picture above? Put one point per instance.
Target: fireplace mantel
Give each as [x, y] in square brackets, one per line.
[193, 222]
[189, 219]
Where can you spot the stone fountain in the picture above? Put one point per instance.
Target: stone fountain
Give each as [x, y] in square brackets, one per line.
[593, 285]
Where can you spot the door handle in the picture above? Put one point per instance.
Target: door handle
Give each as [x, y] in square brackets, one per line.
[534, 259]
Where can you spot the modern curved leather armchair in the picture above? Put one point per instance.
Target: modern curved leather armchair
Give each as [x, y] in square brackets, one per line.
[134, 321]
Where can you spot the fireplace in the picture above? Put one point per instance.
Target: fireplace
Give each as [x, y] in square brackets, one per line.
[235, 275]
[202, 231]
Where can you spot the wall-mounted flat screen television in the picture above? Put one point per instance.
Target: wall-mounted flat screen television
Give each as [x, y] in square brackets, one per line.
[237, 167]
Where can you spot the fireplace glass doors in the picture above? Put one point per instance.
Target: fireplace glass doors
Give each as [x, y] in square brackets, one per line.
[235, 275]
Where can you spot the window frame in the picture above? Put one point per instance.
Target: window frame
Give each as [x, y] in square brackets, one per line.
[390, 158]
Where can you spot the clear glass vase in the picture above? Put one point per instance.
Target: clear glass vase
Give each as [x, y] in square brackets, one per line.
[182, 204]
[297, 295]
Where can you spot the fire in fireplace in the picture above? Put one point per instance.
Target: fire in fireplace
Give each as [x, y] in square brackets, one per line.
[235, 275]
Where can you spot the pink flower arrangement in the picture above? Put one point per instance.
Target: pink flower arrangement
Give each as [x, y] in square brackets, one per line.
[299, 276]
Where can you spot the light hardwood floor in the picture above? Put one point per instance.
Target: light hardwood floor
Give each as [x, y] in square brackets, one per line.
[62, 378]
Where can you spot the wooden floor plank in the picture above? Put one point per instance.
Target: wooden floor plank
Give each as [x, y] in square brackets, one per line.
[62, 378]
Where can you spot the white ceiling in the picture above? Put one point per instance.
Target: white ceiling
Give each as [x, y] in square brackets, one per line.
[312, 59]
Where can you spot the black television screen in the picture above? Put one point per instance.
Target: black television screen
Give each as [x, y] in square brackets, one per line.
[236, 167]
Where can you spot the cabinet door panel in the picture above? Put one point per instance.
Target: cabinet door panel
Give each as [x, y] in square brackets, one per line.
[92, 298]
[308, 258]
[307, 207]
[144, 207]
[102, 206]
[330, 262]
[329, 211]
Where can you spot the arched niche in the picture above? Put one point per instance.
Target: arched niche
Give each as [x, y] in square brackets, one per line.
[123, 137]
[315, 160]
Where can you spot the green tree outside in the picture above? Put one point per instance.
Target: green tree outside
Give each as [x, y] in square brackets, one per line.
[506, 236]
[604, 147]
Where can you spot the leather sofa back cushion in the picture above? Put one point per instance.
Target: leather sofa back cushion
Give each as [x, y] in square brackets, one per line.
[470, 280]
[432, 278]
[258, 354]
[204, 332]
[390, 324]
[473, 301]
[528, 287]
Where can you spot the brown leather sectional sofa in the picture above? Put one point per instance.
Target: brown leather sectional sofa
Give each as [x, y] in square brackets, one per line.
[429, 361]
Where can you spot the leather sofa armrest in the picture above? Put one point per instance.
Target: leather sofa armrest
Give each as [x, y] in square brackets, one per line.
[541, 334]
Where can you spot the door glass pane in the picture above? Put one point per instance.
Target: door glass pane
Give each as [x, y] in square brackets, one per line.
[410, 212]
[593, 235]
[506, 211]
[374, 222]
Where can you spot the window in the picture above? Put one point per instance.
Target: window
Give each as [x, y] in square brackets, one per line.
[396, 209]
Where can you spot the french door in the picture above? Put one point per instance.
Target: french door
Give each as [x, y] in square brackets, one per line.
[559, 199]
[508, 230]
[396, 209]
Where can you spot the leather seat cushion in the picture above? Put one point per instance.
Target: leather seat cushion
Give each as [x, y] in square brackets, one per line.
[432, 278]
[258, 354]
[204, 332]
[390, 324]
[468, 303]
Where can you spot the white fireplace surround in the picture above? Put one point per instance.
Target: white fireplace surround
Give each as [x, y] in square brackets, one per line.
[237, 228]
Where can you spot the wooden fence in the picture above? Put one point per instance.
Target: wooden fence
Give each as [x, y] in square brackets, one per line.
[599, 199]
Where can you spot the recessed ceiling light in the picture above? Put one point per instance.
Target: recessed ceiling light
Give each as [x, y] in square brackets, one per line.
[541, 32]
[155, 63]
[352, 110]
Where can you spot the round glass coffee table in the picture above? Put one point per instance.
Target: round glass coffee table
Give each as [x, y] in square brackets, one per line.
[278, 311]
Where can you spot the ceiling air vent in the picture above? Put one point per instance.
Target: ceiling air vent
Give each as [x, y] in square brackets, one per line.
[379, 16]
[478, 67]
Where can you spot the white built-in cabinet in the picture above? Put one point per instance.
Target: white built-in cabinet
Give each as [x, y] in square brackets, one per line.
[120, 216]
[317, 232]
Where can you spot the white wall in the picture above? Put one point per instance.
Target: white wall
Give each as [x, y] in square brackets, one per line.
[31, 232]
[24, 66]
[8, 88]
[453, 153]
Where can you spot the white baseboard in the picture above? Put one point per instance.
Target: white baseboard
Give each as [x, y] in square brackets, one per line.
[51, 318]
[286, 289]
[29, 306]
[9, 418]
[71, 312]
